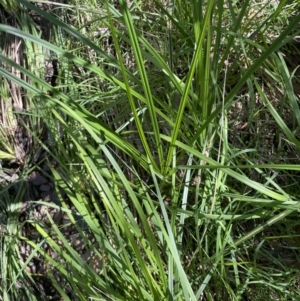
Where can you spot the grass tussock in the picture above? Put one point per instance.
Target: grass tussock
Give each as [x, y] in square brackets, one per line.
[149, 150]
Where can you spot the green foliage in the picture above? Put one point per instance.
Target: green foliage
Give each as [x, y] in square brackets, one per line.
[156, 122]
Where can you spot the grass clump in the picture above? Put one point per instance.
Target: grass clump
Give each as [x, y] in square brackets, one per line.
[149, 151]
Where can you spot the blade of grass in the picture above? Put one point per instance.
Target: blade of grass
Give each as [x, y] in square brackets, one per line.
[184, 99]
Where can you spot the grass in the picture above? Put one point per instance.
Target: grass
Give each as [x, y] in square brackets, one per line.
[170, 136]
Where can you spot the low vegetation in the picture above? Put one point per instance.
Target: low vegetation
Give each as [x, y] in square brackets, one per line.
[149, 150]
